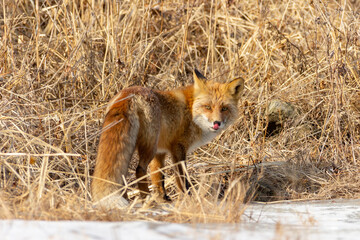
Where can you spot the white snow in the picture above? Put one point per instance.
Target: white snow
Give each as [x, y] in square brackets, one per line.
[335, 219]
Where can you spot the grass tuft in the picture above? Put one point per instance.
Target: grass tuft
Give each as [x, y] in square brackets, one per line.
[61, 61]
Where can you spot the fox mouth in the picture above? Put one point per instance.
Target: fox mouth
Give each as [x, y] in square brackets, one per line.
[213, 129]
[216, 126]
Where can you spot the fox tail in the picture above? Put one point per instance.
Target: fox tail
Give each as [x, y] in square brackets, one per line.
[116, 147]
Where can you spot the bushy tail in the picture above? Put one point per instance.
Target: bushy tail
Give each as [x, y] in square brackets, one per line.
[116, 147]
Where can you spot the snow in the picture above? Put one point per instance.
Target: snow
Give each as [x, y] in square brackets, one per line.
[336, 219]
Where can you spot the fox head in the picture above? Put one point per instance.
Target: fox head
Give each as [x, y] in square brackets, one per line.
[215, 104]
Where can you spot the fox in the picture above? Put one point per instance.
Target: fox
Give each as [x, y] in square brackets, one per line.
[156, 123]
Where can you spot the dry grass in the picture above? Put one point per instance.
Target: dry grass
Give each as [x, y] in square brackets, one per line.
[61, 61]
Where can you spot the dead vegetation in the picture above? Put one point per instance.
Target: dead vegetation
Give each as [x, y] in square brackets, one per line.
[61, 61]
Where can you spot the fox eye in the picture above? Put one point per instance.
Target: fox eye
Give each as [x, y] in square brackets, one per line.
[223, 109]
[207, 107]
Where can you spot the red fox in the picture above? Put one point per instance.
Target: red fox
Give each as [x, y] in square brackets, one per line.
[156, 123]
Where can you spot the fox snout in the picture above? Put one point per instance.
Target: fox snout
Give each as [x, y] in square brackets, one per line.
[216, 125]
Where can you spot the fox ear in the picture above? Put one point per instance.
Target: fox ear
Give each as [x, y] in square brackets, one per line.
[235, 87]
[199, 81]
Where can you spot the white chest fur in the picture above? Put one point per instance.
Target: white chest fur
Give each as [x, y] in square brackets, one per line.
[204, 139]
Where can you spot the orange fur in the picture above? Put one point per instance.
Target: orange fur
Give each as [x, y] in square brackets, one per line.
[159, 122]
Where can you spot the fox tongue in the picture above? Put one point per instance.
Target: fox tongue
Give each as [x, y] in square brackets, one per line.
[216, 126]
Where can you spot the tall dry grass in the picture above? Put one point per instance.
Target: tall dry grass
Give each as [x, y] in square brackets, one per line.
[61, 61]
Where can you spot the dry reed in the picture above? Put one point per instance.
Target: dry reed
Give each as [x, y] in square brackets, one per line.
[61, 61]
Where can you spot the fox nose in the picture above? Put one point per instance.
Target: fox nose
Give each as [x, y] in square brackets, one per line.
[216, 125]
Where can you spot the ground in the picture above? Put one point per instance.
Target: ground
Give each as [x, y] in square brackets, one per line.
[61, 62]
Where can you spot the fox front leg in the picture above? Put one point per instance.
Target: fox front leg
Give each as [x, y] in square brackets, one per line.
[178, 155]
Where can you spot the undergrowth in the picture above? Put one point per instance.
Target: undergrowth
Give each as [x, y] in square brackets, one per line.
[61, 61]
